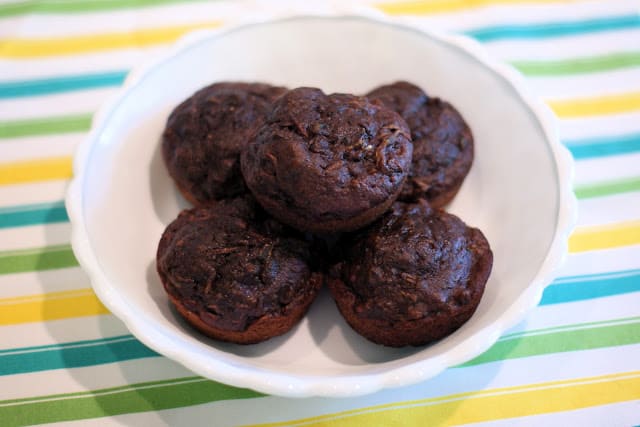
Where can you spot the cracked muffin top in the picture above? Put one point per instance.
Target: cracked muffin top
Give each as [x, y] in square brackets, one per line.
[327, 163]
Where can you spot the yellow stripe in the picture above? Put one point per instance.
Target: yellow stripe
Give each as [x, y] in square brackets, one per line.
[38, 47]
[605, 236]
[584, 107]
[51, 306]
[36, 170]
[488, 405]
[443, 6]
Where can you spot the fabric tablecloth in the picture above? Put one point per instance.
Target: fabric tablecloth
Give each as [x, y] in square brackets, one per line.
[64, 358]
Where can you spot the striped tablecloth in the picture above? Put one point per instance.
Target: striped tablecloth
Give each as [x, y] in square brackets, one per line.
[64, 358]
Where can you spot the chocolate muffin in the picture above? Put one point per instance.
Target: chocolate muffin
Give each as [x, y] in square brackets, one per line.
[414, 276]
[327, 163]
[235, 274]
[442, 142]
[204, 135]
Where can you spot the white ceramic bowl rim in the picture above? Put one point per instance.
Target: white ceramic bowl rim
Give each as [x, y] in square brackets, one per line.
[231, 369]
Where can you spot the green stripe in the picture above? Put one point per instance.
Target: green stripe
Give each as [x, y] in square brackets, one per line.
[564, 328]
[604, 146]
[45, 126]
[558, 342]
[555, 29]
[78, 6]
[592, 64]
[608, 188]
[140, 397]
[72, 355]
[52, 85]
[35, 214]
[47, 258]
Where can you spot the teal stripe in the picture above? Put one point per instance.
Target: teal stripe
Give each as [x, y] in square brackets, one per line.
[555, 29]
[48, 86]
[72, 355]
[581, 288]
[604, 146]
[35, 214]
[37, 259]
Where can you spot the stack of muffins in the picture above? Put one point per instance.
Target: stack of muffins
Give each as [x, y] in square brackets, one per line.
[294, 189]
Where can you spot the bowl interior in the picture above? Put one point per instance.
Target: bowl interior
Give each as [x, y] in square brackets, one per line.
[511, 193]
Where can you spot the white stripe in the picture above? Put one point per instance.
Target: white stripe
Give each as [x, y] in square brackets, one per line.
[90, 378]
[586, 85]
[60, 104]
[597, 262]
[42, 282]
[610, 209]
[38, 147]
[602, 169]
[40, 192]
[105, 393]
[98, 62]
[114, 21]
[35, 236]
[599, 126]
[633, 87]
[60, 331]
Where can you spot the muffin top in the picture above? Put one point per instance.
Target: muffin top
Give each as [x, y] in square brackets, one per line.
[442, 142]
[205, 134]
[232, 264]
[321, 160]
[414, 263]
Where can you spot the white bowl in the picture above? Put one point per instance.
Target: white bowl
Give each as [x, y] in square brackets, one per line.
[518, 192]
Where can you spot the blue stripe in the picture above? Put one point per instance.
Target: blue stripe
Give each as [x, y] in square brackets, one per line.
[48, 86]
[604, 146]
[40, 213]
[555, 29]
[581, 288]
[72, 355]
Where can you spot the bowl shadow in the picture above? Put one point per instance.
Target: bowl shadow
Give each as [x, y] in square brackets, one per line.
[340, 343]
